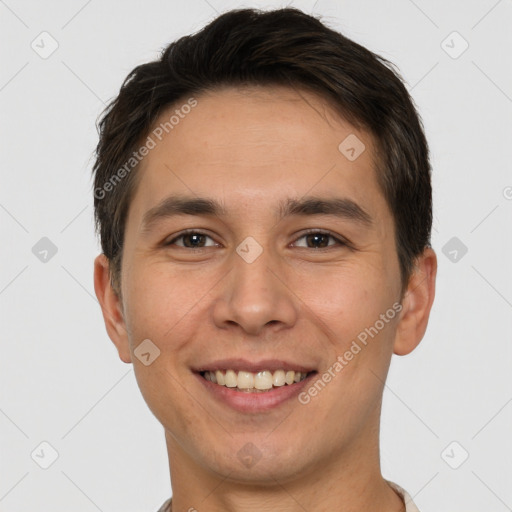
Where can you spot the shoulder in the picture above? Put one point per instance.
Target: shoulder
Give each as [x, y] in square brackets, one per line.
[166, 507]
[409, 504]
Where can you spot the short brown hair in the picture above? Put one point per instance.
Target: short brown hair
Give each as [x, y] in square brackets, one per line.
[279, 47]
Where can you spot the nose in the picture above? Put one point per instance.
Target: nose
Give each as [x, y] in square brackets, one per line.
[254, 296]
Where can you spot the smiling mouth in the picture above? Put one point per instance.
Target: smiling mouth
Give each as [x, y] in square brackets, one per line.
[255, 382]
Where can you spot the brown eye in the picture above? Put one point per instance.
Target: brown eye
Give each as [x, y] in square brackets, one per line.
[191, 240]
[320, 240]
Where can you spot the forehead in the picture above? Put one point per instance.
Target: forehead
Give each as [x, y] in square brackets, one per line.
[270, 122]
[259, 142]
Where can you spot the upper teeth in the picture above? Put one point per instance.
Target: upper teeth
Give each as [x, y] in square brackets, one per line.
[249, 380]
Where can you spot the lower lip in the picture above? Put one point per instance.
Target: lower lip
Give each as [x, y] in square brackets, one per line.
[255, 402]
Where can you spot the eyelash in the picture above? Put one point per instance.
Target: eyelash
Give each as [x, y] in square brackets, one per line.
[339, 240]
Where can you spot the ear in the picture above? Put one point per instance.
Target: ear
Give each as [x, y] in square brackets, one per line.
[416, 304]
[111, 308]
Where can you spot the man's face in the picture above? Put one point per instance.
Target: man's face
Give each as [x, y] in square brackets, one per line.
[253, 285]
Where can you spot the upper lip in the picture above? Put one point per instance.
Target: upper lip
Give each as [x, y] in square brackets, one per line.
[245, 365]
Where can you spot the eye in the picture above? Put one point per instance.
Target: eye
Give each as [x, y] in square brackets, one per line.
[196, 240]
[192, 240]
[320, 239]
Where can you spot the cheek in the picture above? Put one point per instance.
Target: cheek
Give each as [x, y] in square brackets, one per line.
[156, 303]
[347, 305]
[346, 297]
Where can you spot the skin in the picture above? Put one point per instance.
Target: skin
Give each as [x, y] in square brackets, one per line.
[249, 149]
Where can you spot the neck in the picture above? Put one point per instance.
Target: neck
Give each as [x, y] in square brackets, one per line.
[347, 482]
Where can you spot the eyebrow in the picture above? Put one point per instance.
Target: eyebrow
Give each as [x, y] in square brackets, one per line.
[171, 206]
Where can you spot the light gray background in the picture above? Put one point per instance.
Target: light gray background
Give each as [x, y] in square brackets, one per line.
[60, 377]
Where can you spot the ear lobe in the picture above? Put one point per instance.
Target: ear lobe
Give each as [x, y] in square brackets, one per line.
[417, 304]
[111, 308]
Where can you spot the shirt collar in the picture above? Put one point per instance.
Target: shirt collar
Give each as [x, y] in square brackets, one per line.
[409, 504]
